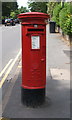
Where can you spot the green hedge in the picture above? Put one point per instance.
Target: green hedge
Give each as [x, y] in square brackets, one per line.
[56, 11]
[65, 19]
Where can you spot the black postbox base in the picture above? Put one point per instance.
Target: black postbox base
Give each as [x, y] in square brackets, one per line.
[33, 97]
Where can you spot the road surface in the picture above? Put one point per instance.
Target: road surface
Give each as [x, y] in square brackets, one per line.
[11, 44]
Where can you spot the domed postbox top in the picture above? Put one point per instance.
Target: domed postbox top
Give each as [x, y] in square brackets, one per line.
[33, 14]
[33, 17]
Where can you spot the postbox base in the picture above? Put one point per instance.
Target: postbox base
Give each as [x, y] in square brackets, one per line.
[33, 97]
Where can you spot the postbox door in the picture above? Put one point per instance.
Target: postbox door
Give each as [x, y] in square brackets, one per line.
[38, 60]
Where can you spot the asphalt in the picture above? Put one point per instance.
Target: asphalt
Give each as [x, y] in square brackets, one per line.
[57, 104]
[0, 48]
[10, 43]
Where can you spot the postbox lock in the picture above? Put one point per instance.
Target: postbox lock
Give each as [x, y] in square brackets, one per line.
[42, 60]
[35, 25]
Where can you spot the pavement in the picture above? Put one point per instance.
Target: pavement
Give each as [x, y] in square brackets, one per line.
[57, 104]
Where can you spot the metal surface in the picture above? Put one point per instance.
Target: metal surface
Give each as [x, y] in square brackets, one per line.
[33, 50]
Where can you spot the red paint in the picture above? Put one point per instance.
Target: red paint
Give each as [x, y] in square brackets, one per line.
[33, 60]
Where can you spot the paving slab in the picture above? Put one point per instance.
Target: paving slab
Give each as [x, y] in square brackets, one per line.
[60, 74]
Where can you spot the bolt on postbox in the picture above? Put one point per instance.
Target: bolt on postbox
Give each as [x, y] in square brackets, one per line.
[33, 57]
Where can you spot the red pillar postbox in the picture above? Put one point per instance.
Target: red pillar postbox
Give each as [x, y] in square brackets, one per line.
[33, 57]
